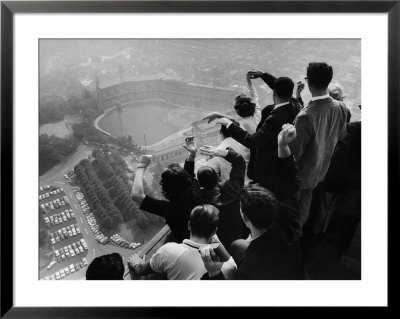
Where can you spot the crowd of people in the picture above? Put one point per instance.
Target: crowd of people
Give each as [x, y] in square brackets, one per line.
[244, 214]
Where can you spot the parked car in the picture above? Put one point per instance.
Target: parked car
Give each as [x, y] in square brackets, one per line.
[52, 263]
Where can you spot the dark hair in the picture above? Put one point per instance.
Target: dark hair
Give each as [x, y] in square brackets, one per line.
[224, 130]
[176, 184]
[319, 74]
[106, 267]
[259, 205]
[244, 107]
[207, 177]
[204, 220]
[283, 87]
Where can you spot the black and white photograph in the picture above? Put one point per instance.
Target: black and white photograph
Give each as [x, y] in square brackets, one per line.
[164, 158]
[199, 159]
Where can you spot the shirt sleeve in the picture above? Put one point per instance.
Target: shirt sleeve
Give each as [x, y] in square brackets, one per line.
[238, 170]
[261, 137]
[159, 261]
[189, 168]
[304, 134]
[229, 269]
[269, 79]
[156, 206]
[254, 98]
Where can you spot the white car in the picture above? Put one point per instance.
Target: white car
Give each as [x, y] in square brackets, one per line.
[84, 261]
[58, 275]
[53, 241]
[51, 264]
[62, 273]
[66, 269]
[41, 188]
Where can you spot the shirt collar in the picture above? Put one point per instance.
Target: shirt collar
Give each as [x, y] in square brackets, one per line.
[192, 243]
[281, 104]
[321, 97]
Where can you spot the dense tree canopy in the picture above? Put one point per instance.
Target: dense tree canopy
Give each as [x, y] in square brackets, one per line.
[106, 187]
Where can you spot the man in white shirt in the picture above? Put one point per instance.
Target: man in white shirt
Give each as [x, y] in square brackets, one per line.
[183, 261]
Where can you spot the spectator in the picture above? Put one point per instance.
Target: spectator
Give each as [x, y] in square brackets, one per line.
[183, 261]
[220, 165]
[274, 250]
[225, 196]
[319, 127]
[262, 143]
[336, 92]
[247, 107]
[106, 267]
[177, 188]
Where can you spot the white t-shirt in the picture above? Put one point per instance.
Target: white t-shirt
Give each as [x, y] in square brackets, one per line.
[183, 261]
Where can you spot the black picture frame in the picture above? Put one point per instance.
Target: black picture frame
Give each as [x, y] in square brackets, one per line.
[9, 8]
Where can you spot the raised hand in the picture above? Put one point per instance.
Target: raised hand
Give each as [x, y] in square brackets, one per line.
[212, 151]
[286, 135]
[190, 146]
[213, 116]
[223, 121]
[254, 74]
[300, 88]
[211, 261]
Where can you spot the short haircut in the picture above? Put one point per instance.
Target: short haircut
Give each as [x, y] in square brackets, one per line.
[106, 267]
[207, 177]
[319, 74]
[204, 220]
[283, 87]
[259, 205]
[244, 107]
[176, 183]
[224, 130]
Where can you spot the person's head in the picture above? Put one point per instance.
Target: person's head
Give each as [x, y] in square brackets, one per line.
[203, 221]
[106, 267]
[258, 206]
[283, 89]
[176, 184]
[336, 92]
[319, 75]
[224, 131]
[207, 177]
[244, 107]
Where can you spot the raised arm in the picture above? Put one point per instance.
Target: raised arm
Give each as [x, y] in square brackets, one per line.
[264, 135]
[137, 192]
[287, 182]
[191, 147]
[254, 97]
[236, 177]
[269, 79]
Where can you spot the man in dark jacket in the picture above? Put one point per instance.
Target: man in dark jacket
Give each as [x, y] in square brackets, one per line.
[225, 196]
[274, 251]
[262, 143]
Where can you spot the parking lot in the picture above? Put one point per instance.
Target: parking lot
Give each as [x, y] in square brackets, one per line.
[68, 244]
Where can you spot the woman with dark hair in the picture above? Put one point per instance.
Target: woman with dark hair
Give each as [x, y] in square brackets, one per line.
[177, 188]
[246, 106]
